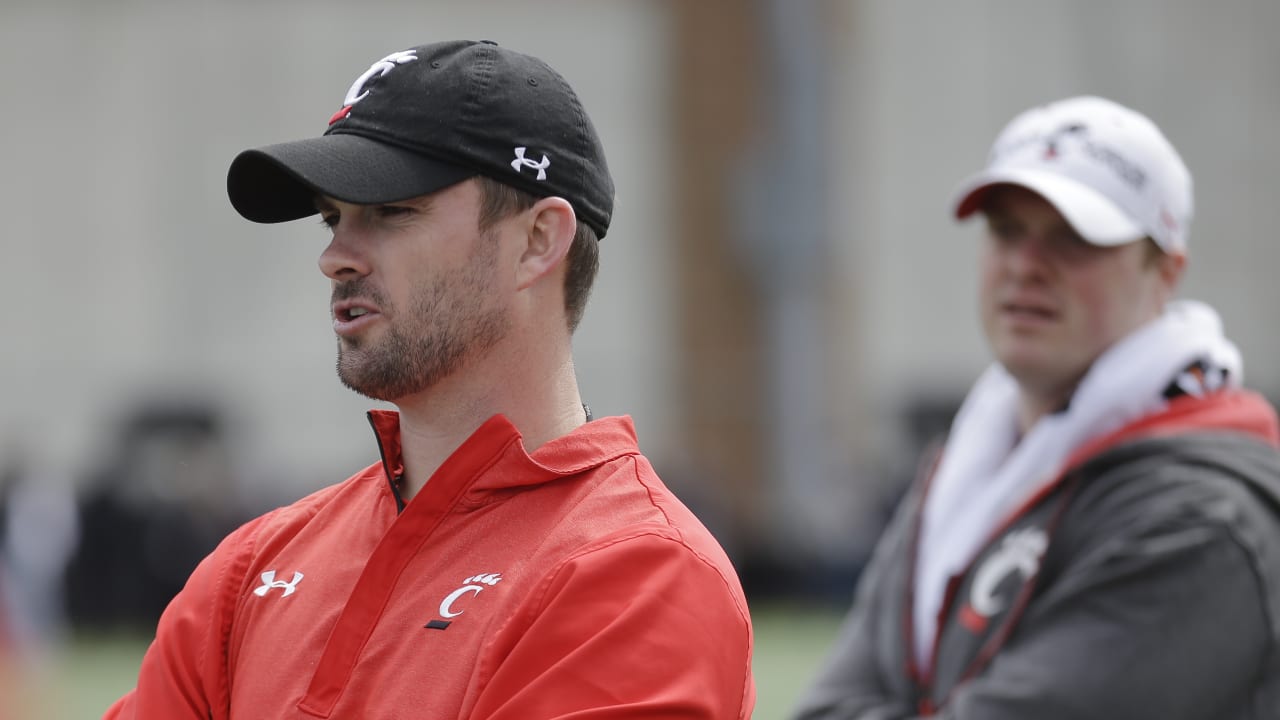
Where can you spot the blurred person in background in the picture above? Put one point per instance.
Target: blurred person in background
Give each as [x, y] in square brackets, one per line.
[1099, 536]
[152, 508]
[9, 678]
[509, 556]
[39, 530]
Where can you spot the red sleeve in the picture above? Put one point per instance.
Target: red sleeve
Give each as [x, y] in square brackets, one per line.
[638, 627]
[184, 672]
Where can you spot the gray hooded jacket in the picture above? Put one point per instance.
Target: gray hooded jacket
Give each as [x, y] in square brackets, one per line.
[1145, 585]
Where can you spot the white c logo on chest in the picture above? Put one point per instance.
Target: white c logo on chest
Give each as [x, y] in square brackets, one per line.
[1019, 554]
[446, 606]
[470, 588]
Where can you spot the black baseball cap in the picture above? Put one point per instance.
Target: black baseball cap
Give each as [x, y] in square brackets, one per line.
[422, 119]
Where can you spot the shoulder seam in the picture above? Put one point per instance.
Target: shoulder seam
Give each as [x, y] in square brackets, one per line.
[676, 537]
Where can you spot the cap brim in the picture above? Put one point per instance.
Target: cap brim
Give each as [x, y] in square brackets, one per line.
[280, 182]
[1090, 213]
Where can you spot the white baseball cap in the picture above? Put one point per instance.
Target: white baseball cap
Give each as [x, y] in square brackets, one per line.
[1108, 169]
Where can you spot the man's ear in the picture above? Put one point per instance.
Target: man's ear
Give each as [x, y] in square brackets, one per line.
[549, 232]
[1171, 267]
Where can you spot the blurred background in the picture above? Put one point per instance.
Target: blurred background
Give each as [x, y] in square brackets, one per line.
[785, 306]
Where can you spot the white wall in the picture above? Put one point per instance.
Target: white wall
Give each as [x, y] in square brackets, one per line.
[128, 274]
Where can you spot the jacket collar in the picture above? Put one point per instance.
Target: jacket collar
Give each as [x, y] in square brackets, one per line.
[1236, 411]
[497, 443]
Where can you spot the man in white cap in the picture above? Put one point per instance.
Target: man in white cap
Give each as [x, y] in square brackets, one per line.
[1100, 535]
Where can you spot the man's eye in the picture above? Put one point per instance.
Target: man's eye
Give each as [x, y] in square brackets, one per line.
[329, 220]
[1071, 245]
[393, 210]
[1002, 229]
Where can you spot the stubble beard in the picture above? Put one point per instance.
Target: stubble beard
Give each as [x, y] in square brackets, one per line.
[447, 326]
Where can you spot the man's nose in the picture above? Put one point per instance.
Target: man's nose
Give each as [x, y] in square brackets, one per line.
[344, 258]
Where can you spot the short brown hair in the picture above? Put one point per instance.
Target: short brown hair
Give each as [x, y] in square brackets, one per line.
[1153, 252]
[499, 201]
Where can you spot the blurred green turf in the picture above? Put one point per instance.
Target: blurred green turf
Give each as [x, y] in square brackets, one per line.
[81, 680]
[790, 642]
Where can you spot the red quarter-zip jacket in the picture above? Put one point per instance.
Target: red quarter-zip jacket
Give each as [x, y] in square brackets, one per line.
[569, 583]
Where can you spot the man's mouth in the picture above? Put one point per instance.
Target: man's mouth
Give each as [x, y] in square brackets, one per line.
[1028, 311]
[350, 315]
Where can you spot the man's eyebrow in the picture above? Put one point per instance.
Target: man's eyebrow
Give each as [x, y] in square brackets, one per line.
[424, 203]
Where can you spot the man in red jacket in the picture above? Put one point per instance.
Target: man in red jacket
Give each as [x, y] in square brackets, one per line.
[509, 556]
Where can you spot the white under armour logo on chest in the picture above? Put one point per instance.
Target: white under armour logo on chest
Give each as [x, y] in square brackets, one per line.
[269, 583]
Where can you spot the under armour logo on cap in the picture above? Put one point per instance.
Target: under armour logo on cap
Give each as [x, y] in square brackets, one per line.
[522, 162]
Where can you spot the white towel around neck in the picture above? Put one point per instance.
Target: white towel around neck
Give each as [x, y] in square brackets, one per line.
[985, 473]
